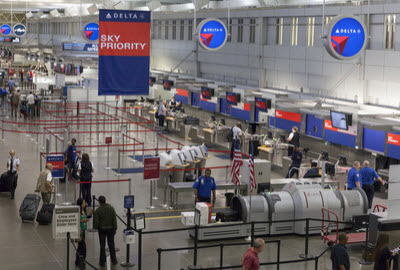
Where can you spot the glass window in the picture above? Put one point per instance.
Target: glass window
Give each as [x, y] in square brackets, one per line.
[166, 29]
[230, 31]
[182, 30]
[310, 31]
[252, 38]
[159, 30]
[294, 31]
[327, 19]
[240, 31]
[174, 29]
[389, 31]
[190, 30]
[279, 31]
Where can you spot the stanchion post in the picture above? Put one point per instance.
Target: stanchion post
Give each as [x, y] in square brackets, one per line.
[166, 144]
[119, 161]
[365, 261]
[108, 157]
[196, 236]
[40, 169]
[226, 174]
[134, 148]
[316, 263]
[130, 186]
[140, 251]
[151, 196]
[252, 232]
[90, 128]
[306, 255]
[77, 108]
[128, 227]
[278, 255]
[143, 152]
[221, 255]
[159, 250]
[68, 236]
[156, 144]
[2, 130]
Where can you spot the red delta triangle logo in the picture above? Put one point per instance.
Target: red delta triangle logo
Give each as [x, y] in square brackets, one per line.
[339, 43]
[3, 31]
[88, 34]
[206, 39]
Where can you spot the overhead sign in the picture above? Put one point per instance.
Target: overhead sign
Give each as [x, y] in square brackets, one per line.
[5, 29]
[124, 53]
[346, 37]
[58, 165]
[108, 140]
[91, 31]
[15, 40]
[19, 30]
[81, 47]
[151, 168]
[66, 219]
[212, 34]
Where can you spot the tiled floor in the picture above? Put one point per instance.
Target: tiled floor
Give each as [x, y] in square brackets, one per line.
[31, 246]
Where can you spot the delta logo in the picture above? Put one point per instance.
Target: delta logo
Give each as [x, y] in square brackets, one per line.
[5, 29]
[213, 34]
[91, 31]
[347, 37]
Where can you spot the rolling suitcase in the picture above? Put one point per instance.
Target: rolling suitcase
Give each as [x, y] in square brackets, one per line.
[45, 215]
[29, 207]
[4, 186]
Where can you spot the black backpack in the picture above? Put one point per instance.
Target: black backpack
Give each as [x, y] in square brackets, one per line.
[229, 135]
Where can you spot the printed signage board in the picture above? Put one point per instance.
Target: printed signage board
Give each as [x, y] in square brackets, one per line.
[5, 29]
[212, 34]
[58, 165]
[124, 52]
[19, 30]
[66, 219]
[346, 37]
[152, 168]
[91, 31]
[81, 47]
[108, 140]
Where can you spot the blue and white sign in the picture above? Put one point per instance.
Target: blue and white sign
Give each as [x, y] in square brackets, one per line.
[58, 165]
[346, 37]
[91, 31]
[212, 34]
[81, 47]
[19, 30]
[5, 29]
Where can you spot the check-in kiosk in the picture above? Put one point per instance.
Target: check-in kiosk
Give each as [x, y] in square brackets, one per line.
[178, 159]
[191, 158]
[202, 155]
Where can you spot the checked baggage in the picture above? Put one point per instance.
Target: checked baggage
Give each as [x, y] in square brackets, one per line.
[29, 207]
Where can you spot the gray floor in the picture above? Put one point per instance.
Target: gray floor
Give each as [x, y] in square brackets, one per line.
[30, 246]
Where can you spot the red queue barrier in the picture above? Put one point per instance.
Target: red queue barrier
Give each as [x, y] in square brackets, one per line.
[103, 181]
[193, 169]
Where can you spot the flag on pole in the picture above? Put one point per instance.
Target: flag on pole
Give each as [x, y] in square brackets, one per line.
[236, 164]
[251, 167]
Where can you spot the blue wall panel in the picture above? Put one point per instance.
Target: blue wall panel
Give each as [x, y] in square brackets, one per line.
[285, 124]
[195, 99]
[209, 106]
[181, 98]
[223, 106]
[340, 138]
[241, 114]
[374, 139]
[312, 124]
[271, 121]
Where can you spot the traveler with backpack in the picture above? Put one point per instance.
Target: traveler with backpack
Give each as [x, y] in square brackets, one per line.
[81, 250]
[85, 170]
[13, 164]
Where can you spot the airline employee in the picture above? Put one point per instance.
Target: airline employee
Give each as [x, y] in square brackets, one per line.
[354, 177]
[203, 187]
[368, 176]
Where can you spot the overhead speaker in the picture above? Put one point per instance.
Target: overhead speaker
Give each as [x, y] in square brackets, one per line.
[39, 14]
[92, 9]
[153, 5]
[198, 4]
[29, 15]
[54, 13]
[119, 5]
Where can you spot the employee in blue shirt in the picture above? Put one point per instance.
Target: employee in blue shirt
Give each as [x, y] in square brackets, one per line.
[368, 176]
[294, 168]
[203, 187]
[313, 172]
[354, 178]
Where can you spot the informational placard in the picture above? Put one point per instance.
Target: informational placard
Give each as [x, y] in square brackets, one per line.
[108, 140]
[124, 52]
[151, 168]
[91, 31]
[66, 219]
[140, 221]
[58, 165]
[129, 201]
[124, 129]
[80, 47]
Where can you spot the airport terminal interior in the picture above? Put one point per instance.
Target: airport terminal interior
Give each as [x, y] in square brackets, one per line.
[292, 105]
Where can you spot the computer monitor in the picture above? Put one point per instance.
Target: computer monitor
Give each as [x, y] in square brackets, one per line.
[232, 98]
[269, 135]
[339, 120]
[282, 138]
[342, 160]
[261, 104]
[324, 155]
[207, 93]
[330, 169]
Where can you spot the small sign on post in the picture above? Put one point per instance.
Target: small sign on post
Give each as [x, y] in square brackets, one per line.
[151, 168]
[66, 219]
[108, 140]
[58, 165]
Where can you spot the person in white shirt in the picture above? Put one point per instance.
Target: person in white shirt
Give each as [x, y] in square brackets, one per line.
[237, 134]
[13, 164]
[31, 103]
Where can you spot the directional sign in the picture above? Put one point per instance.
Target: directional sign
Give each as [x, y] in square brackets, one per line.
[152, 168]
[58, 165]
[66, 219]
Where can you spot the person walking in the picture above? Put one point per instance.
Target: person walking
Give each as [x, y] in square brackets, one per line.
[13, 164]
[162, 112]
[353, 177]
[86, 170]
[368, 176]
[339, 256]
[383, 255]
[70, 156]
[81, 250]
[31, 104]
[250, 259]
[45, 183]
[105, 221]
[203, 187]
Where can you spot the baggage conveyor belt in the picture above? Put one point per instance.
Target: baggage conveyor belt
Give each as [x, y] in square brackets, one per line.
[165, 214]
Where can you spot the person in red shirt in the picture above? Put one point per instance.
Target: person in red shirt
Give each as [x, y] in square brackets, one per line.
[250, 259]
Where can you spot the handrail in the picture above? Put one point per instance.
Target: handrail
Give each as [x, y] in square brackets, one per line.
[378, 206]
[326, 231]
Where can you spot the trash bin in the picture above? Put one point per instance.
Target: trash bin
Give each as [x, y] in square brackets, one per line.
[228, 197]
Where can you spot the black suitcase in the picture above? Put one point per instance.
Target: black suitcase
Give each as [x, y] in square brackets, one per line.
[45, 215]
[29, 207]
[4, 186]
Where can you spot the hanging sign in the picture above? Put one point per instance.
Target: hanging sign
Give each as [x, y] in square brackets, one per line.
[91, 31]
[212, 34]
[124, 52]
[346, 37]
[19, 30]
[5, 29]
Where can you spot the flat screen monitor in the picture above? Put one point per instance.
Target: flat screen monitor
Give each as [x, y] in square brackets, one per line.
[282, 138]
[269, 103]
[207, 93]
[261, 104]
[339, 120]
[269, 135]
[231, 98]
[152, 80]
[167, 85]
[324, 155]
[342, 160]
[330, 169]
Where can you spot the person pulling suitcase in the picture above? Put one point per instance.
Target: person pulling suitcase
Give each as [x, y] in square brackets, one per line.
[13, 164]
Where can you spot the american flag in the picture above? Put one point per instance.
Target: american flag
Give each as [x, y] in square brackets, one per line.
[251, 166]
[236, 164]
